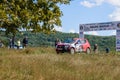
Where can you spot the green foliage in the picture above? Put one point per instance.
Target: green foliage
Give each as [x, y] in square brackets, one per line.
[103, 42]
[34, 15]
[41, 39]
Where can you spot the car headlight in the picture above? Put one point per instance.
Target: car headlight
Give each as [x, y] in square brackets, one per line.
[66, 47]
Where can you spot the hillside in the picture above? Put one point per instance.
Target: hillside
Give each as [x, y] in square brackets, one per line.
[41, 39]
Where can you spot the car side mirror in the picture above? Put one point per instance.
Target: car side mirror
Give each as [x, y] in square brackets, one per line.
[76, 43]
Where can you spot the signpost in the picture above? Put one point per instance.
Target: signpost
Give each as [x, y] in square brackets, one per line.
[118, 37]
[102, 26]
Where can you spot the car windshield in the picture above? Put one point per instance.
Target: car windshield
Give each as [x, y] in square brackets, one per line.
[69, 41]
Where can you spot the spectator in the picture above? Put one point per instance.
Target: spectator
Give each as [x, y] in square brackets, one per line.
[10, 43]
[25, 42]
[57, 41]
[13, 42]
[95, 48]
[1, 44]
[107, 50]
[18, 44]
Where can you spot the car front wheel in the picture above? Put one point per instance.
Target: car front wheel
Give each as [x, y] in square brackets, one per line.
[72, 51]
[57, 52]
[88, 51]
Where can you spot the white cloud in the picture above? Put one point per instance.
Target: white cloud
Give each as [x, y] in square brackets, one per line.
[114, 16]
[72, 31]
[58, 28]
[92, 3]
[115, 3]
[99, 2]
[92, 33]
[87, 4]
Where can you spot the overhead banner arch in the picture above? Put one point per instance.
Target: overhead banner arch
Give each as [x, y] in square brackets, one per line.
[102, 26]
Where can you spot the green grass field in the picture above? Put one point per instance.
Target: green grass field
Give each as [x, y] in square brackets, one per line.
[45, 64]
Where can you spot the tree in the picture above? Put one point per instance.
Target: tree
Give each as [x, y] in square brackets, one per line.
[34, 15]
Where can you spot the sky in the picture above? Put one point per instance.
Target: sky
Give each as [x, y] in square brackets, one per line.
[89, 11]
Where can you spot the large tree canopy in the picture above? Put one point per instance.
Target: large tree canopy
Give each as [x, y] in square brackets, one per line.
[34, 15]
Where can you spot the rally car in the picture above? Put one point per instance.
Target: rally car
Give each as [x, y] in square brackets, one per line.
[74, 46]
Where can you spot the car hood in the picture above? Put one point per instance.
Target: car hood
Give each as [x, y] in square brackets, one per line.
[62, 44]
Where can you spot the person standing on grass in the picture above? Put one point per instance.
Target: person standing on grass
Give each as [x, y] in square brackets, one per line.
[25, 42]
[95, 48]
[10, 43]
[18, 44]
[107, 50]
[57, 41]
[1, 44]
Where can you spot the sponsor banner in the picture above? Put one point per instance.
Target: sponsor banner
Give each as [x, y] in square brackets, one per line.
[118, 38]
[81, 28]
[117, 48]
[118, 26]
[100, 26]
[118, 41]
[118, 33]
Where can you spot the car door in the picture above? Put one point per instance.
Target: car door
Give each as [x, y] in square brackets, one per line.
[84, 45]
[78, 46]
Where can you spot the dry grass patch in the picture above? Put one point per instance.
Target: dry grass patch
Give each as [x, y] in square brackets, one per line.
[45, 64]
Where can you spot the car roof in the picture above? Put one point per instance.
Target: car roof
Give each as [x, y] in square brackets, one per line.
[79, 38]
